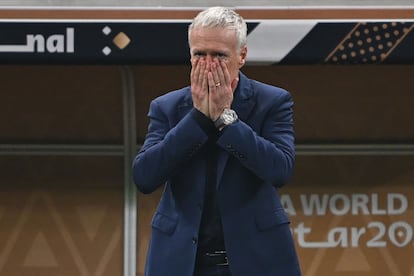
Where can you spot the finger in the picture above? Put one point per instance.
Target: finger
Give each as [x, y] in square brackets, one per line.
[234, 84]
[220, 74]
[204, 82]
[201, 75]
[194, 70]
[215, 75]
[226, 74]
[211, 82]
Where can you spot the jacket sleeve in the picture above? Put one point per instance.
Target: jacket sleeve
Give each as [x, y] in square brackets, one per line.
[166, 148]
[269, 151]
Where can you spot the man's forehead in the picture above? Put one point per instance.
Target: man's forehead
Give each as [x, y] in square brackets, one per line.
[216, 35]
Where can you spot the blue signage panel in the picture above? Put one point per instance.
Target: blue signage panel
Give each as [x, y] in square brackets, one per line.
[165, 42]
[93, 43]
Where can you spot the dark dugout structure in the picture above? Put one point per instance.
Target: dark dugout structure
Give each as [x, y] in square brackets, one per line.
[75, 90]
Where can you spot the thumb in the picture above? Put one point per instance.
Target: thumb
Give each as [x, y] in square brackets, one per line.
[234, 84]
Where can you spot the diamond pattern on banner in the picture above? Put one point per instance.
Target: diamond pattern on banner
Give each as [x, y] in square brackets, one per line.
[370, 42]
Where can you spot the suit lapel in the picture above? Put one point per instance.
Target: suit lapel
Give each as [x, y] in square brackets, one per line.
[186, 105]
[243, 104]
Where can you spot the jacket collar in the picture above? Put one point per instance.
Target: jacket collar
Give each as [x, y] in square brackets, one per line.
[243, 102]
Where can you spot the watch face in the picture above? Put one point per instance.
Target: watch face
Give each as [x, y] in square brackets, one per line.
[228, 116]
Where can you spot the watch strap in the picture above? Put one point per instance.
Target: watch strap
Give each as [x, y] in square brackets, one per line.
[222, 121]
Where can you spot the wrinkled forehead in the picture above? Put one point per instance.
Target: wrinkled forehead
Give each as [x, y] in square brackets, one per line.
[213, 34]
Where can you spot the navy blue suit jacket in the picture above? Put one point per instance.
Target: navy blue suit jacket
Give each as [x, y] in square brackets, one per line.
[256, 157]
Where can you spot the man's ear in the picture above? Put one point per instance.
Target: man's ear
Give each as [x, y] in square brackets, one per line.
[243, 54]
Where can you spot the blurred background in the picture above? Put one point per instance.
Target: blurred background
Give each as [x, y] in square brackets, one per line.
[72, 120]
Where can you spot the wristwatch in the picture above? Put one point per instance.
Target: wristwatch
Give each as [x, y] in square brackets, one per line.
[226, 118]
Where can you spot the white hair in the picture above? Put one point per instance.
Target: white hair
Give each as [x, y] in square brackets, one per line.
[224, 18]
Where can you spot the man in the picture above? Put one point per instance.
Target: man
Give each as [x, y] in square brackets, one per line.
[222, 147]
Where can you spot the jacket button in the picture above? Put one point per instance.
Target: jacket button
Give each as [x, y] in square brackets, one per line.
[194, 240]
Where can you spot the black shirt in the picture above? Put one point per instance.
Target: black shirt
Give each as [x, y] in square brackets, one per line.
[211, 230]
